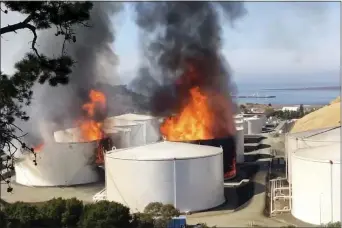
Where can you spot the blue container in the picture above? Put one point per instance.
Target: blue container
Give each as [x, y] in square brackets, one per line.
[177, 222]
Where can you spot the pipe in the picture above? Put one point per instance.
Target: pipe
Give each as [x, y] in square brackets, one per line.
[174, 184]
[331, 189]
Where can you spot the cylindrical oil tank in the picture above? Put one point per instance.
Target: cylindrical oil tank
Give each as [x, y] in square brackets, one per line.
[240, 147]
[120, 137]
[312, 138]
[254, 125]
[58, 164]
[186, 175]
[151, 125]
[136, 130]
[316, 184]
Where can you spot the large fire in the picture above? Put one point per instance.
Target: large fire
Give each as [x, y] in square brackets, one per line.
[91, 130]
[205, 115]
[193, 122]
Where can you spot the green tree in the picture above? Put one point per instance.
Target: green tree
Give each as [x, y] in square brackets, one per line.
[16, 90]
[105, 214]
[162, 214]
[301, 111]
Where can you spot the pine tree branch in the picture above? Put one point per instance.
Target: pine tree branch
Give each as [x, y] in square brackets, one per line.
[23, 25]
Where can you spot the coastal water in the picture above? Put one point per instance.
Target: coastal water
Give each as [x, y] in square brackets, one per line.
[287, 97]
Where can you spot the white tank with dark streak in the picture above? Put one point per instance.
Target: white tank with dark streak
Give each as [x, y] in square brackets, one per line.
[58, 164]
[134, 132]
[150, 124]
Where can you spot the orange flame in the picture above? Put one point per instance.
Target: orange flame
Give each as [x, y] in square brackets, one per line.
[90, 129]
[38, 148]
[193, 122]
[96, 99]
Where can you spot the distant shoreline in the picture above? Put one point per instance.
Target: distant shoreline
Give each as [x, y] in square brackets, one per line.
[308, 88]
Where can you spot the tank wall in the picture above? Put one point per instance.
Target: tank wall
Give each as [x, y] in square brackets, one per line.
[152, 131]
[59, 165]
[202, 189]
[144, 177]
[70, 135]
[245, 127]
[173, 182]
[314, 186]
[254, 126]
[240, 157]
[293, 144]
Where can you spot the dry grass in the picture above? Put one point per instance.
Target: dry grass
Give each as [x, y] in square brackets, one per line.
[328, 116]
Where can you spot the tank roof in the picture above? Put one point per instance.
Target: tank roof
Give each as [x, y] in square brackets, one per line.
[325, 134]
[137, 117]
[331, 152]
[164, 151]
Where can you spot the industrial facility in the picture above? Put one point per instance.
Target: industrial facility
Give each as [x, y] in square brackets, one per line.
[189, 175]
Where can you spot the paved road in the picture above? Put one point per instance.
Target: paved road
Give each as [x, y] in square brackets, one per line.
[40, 194]
[252, 213]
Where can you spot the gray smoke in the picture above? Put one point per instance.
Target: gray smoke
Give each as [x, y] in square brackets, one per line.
[58, 107]
[176, 34]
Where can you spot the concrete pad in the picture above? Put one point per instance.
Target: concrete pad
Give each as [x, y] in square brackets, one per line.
[41, 194]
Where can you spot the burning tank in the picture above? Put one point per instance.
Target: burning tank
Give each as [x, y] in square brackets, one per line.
[205, 117]
[71, 156]
[194, 91]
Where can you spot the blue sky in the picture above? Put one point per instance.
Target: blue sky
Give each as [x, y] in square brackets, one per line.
[275, 41]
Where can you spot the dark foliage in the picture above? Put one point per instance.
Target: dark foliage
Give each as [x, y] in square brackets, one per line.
[105, 214]
[16, 90]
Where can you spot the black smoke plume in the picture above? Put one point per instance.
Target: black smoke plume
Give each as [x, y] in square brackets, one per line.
[176, 35]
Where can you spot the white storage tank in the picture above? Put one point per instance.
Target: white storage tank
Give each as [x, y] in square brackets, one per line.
[186, 175]
[120, 137]
[59, 164]
[255, 125]
[151, 125]
[316, 184]
[309, 139]
[240, 145]
[136, 135]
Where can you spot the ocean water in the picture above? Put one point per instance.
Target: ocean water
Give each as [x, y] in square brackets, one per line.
[286, 97]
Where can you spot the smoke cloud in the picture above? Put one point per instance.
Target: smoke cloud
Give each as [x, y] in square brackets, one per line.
[56, 108]
[176, 35]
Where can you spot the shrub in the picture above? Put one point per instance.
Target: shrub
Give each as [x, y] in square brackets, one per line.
[73, 212]
[142, 220]
[51, 212]
[162, 214]
[333, 224]
[153, 209]
[3, 219]
[105, 214]
[20, 214]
